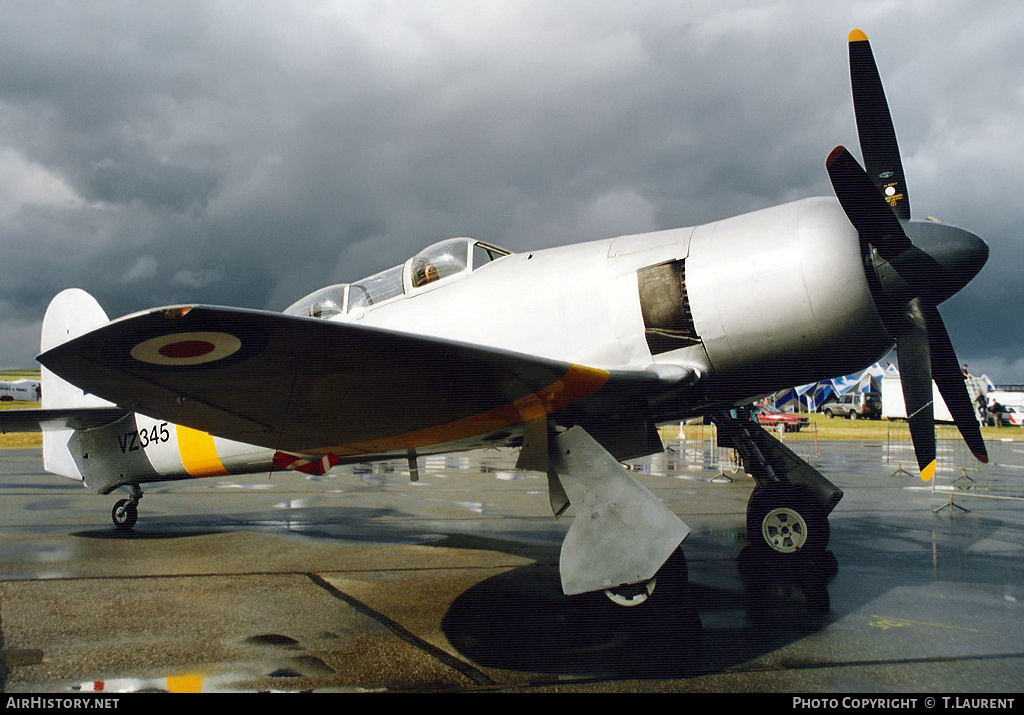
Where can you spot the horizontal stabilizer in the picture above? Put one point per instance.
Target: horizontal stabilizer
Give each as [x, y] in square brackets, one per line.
[35, 420]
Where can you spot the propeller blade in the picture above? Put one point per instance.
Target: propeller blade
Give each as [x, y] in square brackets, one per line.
[874, 127]
[949, 378]
[907, 279]
[916, 379]
[864, 206]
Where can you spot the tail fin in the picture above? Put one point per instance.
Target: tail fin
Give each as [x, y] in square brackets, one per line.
[71, 313]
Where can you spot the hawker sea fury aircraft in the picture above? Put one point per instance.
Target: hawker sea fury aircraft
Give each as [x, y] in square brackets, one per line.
[573, 355]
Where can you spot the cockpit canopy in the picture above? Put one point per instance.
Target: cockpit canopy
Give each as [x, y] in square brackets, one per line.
[442, 262]
[324, 303]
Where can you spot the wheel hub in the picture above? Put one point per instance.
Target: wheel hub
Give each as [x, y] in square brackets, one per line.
[631, 594]
[784, 530]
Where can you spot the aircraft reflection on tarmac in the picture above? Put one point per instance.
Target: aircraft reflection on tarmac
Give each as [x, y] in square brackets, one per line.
[587, 636]
[708, 627]
[922, 600]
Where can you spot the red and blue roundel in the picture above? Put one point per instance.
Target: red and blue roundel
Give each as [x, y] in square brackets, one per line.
[186, 348]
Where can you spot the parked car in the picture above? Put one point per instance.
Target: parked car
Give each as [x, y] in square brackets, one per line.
[773, 418]
[855, 405]
[1005, 416]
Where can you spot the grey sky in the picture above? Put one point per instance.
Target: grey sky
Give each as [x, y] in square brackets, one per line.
[247, 153]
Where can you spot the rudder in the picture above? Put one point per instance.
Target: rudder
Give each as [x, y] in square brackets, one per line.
[71, 313]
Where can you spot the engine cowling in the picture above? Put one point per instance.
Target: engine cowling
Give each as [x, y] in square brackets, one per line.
[779, 297]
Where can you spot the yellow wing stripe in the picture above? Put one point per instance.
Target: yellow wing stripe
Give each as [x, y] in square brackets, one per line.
[199, 454]
[576, 384]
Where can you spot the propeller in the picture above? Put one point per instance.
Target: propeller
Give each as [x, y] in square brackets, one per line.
[908, 279]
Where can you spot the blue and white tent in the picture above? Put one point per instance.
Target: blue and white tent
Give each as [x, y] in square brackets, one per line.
[808, 398]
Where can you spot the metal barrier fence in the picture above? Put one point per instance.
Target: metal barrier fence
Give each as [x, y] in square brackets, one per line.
[957, 471]
[696, 448]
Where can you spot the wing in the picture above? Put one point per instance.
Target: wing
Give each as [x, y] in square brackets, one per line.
[313, 386]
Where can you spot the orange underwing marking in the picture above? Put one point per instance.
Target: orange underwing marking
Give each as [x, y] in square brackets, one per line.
[579, 382]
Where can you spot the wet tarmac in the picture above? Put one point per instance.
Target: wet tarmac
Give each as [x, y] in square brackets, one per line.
[363, 580]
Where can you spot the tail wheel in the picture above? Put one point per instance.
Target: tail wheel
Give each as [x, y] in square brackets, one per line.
[124, 515]
[786, 520]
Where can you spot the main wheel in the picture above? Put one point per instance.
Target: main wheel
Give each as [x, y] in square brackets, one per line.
[671, 583]
[124, 515]
[631, 594]
[786, 520]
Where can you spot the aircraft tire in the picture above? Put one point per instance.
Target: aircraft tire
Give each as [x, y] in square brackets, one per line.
[669, 584]
[785, 520]
[124, 515]
[674, 575]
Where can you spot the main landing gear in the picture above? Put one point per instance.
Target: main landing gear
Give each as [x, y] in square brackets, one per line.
[623, 540]
[788, 510]
[126, 511]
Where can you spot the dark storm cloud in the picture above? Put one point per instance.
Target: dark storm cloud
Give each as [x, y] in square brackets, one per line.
[247, 153]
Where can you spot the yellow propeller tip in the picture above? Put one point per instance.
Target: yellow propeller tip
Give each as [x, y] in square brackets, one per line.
[928, 473]
[858, 36]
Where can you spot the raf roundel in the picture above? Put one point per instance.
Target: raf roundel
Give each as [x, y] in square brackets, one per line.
[186, 348]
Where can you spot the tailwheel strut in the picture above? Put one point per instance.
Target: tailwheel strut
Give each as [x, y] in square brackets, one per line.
[126, 511]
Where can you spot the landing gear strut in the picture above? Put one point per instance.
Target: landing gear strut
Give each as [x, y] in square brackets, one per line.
[622, 536]
[126, 511]
[788, 510]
